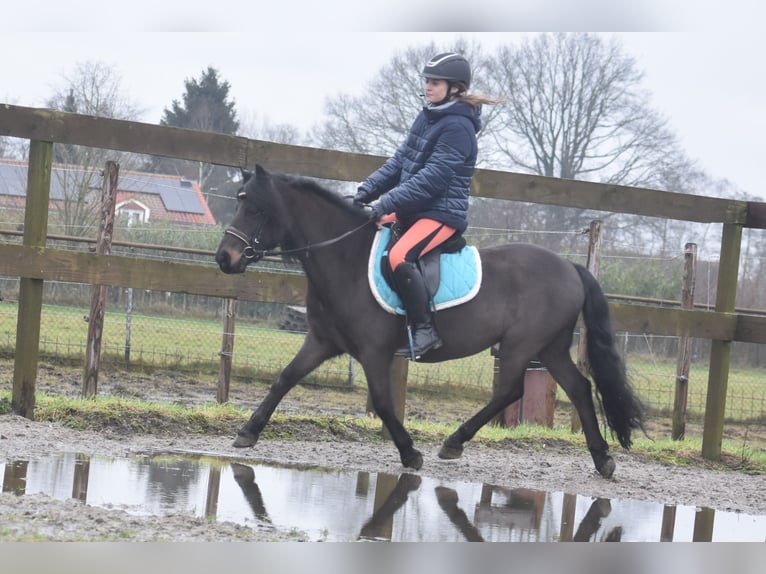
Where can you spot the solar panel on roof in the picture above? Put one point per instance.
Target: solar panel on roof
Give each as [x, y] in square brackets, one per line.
[181, 200]
[13, 180]
[177, 195]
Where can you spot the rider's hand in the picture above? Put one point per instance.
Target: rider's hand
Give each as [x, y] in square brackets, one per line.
[362, 196]
[375, 213]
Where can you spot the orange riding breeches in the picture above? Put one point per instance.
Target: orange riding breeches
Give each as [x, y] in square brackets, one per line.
[419, 239]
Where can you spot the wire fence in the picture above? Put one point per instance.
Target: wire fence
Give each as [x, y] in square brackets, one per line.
[171, 331]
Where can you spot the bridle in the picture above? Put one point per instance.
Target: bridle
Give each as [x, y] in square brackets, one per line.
[251, 252]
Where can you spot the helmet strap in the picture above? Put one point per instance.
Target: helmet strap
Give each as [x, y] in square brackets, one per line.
[450, 95]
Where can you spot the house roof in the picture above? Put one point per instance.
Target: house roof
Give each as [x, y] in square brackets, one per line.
[178, 199]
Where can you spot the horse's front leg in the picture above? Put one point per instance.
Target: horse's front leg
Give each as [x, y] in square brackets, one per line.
[378, 373]
[312, 353]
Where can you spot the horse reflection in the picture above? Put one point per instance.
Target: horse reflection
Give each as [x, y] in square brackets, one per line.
[245, 477]
[447, 499]
[599, 509]
[379, 524]
[524, 501]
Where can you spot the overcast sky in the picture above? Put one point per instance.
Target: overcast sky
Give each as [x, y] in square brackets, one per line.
[703, 66]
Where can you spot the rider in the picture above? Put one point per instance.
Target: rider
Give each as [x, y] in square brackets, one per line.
[426, 184]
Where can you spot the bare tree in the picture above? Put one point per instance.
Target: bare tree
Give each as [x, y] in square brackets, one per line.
[13, 147]
[251, 126]
[378, 121]
[576, 110]
[93, 88]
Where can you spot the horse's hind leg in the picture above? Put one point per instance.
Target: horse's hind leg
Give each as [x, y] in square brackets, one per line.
[510, 389]
[578, 389]
[312, 353]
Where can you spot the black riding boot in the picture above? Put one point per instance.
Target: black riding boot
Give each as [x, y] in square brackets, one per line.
[412, 290]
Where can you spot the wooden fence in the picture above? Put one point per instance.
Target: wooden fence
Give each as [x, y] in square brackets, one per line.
[34, 263]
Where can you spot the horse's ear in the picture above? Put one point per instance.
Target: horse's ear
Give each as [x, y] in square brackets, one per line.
[260, 171]
[246, 175]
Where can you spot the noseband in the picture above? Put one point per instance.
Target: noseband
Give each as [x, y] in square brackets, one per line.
[249, 252]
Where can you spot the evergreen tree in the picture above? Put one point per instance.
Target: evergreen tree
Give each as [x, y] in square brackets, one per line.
[205, 106]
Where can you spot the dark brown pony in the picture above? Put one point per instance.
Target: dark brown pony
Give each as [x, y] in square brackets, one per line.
[528, 304]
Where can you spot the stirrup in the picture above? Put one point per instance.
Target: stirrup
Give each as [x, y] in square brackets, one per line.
[409, 349]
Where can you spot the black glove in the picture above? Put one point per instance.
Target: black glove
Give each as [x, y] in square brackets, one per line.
[362, 197]
[375, 213]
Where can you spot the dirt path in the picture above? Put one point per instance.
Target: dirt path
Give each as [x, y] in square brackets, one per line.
[551, 467]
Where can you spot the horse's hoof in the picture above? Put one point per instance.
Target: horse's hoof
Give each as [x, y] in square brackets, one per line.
[409, 482]
[413, 460]
[245, 439]
[607, 467]
[446, 495]
[450, 452]
[243, 474]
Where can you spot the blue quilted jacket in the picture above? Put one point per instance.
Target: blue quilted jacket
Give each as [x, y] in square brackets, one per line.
[430, 174]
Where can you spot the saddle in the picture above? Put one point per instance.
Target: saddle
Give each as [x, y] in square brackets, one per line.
[452, 271]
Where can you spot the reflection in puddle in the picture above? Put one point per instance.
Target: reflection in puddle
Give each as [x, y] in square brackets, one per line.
[338, 505]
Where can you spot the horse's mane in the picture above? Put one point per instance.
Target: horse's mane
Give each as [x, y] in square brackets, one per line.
[331, 196]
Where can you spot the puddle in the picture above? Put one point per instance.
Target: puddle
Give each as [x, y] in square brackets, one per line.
[335, 505]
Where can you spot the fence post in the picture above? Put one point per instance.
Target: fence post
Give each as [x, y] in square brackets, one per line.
[128, 324]
[668, 527]
[213, 491]
[351, 378]
[27, 352]
[227, 349]
[684, 345]
[595, 241]
[98, 292]
[537, 404]
[720, 351]
[510, 415]
[568, 510]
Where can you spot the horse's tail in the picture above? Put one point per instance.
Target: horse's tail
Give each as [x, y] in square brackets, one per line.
[624, 411]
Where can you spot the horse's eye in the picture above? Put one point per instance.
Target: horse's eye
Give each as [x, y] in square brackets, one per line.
[241, 196]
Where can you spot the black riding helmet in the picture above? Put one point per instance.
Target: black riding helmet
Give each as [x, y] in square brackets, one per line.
[449, 66]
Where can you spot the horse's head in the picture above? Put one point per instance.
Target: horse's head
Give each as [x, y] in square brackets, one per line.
[253, 230]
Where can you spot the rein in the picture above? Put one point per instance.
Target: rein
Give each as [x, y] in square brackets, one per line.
[250, 252]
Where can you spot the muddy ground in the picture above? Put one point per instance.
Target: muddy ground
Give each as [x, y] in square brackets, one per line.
[554, 467]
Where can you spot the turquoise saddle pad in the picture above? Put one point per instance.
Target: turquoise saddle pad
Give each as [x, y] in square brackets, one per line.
[460, 278]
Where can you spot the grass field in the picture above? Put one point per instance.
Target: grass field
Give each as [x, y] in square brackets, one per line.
[261, 351]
